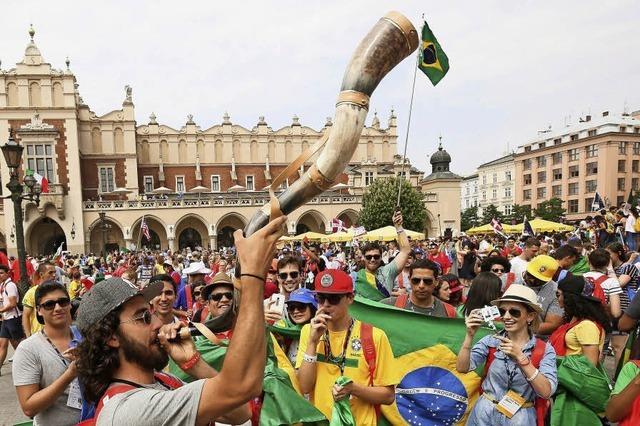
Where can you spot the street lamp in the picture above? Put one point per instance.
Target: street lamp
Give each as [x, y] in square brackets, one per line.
[12, 153]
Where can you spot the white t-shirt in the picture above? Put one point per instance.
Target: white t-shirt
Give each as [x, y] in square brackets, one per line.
[518, 267]
[9, 289]
[630, 222]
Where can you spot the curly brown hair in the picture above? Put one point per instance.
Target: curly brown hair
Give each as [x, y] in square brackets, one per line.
[96, 360]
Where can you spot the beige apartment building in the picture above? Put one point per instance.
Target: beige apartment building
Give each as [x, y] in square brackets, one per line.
[193, 185]
[596, 154]
[496, 184]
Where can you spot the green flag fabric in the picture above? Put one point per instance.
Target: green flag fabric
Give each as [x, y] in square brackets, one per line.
[433, 61]
[365, 288]
[341, 414]
[431, 391]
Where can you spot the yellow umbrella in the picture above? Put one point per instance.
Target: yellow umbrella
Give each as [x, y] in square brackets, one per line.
[541, 225]
[488, 229]
[341, 237]
[388, 233]
[311, 236]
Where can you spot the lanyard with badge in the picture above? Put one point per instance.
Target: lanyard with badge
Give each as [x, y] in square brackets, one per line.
[512, 401]
[74, 400]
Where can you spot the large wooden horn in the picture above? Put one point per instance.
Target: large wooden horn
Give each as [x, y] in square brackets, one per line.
[391, 40]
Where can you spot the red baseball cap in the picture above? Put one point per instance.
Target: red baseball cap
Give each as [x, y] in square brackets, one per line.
[333, 281]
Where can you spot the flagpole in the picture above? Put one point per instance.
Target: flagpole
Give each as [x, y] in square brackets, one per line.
[140, 234]
[406, 136]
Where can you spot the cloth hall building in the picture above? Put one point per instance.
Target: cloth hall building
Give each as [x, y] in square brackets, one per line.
[193, 185]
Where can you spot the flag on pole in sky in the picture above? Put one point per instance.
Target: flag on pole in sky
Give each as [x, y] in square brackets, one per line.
[597, 204]
[527, 229]
[337, 225]
[144, 228]
[432, 60]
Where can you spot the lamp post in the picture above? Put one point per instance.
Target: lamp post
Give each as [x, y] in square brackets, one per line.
[12, 153]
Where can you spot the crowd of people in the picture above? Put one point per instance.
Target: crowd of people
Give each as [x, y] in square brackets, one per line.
[93, 334]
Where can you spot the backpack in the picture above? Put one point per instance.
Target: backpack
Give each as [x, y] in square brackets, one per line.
[21, 293]
[597, 287]
[541, 405]
[557, 338]
[167, 380]
[401, 302]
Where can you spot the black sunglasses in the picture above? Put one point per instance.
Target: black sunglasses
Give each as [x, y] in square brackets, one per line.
[372, 256]
[294, 275]
[196, 293]
[218, 296]
[426, 281]
[50, 304]
[293, 306]
[333, 299]
[146, 317]
[496, 270]
[515, 313]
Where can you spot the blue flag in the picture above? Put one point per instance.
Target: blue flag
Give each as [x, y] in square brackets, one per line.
[598, 203]
[527, 230]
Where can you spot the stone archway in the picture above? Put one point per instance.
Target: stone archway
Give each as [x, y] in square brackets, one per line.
[191, 231]
[226, 226]
[189, 237]
[44, 237]
[157, 232]
[311, 220]
[349, 217]
[109, 238]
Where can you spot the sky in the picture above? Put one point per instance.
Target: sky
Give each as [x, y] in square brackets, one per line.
[516, 66]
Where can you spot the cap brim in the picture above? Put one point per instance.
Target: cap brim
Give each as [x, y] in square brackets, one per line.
[517, 299]
[152, 290]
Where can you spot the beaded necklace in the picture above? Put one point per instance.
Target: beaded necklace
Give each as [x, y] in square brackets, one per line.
[340, 359]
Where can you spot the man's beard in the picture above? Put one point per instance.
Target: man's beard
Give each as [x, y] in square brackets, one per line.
[139, 354]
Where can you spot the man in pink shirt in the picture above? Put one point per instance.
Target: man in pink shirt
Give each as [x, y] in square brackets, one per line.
[438, 256]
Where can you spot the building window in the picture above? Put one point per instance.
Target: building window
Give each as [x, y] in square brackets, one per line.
[484, 179]
[106, 176]
[592, 151]
[507, 175]
[635, 166]
[557, 141]
[591, 185]
[634, 183]
[542, 145]
[574, 171]
[527, 179]
[494, 194]
[623, 129]
[542, 161]
[556, 191]
[588, 202]
[636, 148]
[526, 164]
[40, 159]
[148, 184]
[495, 178]
[468, 190]
[180, 184]
[249, 183]
[574, 154]
[622, 165]
[467, 203]
[542, 177]
[557, 174]
[622, 148]
[484, 195]
[592, 168]
[215, 183]
[507, 192]
[573, 188]
[542, 192]
[368, 178]
[556, 157]
[621, 184]
[526, 194]
[508, 209]
[527, 148]
[592, 132]
[574, 137]
[572, 206]
[620, 200]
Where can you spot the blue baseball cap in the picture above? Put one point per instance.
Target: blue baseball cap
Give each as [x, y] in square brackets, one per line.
[303, 295]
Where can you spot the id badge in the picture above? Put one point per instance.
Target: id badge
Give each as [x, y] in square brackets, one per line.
[75, 397]
[510, 404]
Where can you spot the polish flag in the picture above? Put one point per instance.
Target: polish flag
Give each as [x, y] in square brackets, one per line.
[43, 181]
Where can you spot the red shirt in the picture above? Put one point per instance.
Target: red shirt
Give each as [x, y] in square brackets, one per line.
[442, 260]
[15, 270]
[515, 251]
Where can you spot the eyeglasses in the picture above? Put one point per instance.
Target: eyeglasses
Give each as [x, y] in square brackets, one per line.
[497, 270]
[515, 313]
[372, 257]
[333, 299]
[196, 293]
[146, 317]
[216, 297]
[50, 304]
[426, 281]
[296, 306]
[294, 275]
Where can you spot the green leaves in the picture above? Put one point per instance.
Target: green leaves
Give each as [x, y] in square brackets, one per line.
[550, 210]
[469, 218]
[379, 203]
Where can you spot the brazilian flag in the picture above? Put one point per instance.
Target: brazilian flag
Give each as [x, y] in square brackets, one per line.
[431, 391]
[433, 61]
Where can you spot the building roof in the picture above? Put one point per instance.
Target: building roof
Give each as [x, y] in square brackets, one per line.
[505, 159]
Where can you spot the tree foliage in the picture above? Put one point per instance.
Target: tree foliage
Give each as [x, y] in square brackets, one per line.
[518, 214]
[379, 203]
[490, 212]
[550, 209]
[469, 218]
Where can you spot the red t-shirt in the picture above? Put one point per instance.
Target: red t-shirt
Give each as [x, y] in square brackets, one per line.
[442, 260]
[515, 251]
[15, 270]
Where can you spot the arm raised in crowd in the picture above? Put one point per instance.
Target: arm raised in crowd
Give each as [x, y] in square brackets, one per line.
[403, 241]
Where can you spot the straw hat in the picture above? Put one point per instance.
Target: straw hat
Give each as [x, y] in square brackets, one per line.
[520, 294]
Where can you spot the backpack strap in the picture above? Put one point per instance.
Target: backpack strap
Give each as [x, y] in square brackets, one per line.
[369, 351]
[450, 310]
[541, 405]
[168, 380]
[401, 301]
[187, 293]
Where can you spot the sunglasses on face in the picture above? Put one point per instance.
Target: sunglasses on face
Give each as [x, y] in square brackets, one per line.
[333, 299]
[146, 317]
[294, 275]
[196, 293]
[296, 306]
[426, 281]
[216, 297]
[50, 304]
[497, 270]
[372, 257]
[515, 313]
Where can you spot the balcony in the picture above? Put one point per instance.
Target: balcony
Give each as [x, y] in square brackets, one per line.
[55, 198]
[208, 200]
